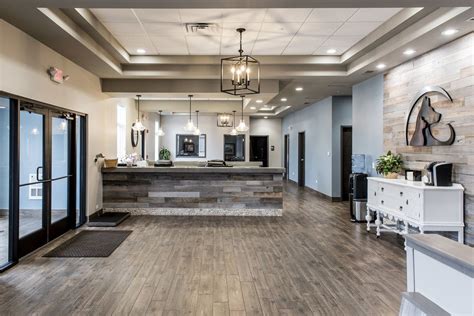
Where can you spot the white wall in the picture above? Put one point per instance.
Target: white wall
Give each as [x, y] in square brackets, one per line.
[367, 127]
[174, 124]
[23, 64]
[272, 129]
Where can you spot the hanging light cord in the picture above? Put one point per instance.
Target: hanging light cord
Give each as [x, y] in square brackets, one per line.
[138, 103]
[197, 119]
[241, 50]
[243, 107]
[234, 117]
[190, 96]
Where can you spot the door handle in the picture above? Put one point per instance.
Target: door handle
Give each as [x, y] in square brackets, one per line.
[302, 159]
[37, 174]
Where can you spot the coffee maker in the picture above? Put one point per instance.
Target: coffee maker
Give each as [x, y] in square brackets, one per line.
[439, 173]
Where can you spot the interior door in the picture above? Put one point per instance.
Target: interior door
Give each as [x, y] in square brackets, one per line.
[346, 160]
[301, 159]
[287, 156]
[259, 149]
[33, 190]
[61, 186]
[46, 183]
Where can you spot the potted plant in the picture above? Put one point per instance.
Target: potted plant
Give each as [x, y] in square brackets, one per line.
[389, 165]
[165, 154]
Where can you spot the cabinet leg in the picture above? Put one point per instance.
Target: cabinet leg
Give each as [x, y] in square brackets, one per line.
[378, 222]
[368, 218]
[461, 236]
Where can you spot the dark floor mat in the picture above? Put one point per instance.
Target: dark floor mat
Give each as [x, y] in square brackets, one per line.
[109, 219]
[90, 243]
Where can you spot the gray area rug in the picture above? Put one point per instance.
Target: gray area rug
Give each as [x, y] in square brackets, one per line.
[90, 243]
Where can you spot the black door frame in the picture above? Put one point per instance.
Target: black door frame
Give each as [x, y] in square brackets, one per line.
[341, 153]
[268, 147]
[15, 103]
[301, 159]
[286, 148]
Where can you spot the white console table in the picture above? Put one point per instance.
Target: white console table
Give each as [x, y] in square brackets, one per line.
[416, 205]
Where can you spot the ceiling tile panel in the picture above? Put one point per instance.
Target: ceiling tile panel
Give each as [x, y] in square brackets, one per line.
[251, 29]
[273, 46]
[203, 45]
[175, 45]
[331, 15]
[356, 28]
[230, 45]
[287, 15]
[374, 14]
[201, 15]
[272, 30]
[319, 29]
[164, 29]
[304, 44]
[158, 15]
[115, 15]
[243, 15]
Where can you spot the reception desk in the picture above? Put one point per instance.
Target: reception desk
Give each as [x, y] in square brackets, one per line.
[235, 191]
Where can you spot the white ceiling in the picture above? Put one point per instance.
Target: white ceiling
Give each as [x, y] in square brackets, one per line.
[269, 31]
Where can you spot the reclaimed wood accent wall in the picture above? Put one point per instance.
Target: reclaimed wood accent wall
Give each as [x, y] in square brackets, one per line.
[451, 67]
[193, 190]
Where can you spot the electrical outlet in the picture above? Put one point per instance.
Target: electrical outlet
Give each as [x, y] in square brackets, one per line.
[96, 207]
[316, 181]
[292, 173]
[373, 165]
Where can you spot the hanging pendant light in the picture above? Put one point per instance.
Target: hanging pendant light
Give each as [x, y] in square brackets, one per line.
[190, 125]
[138, 126]
[240, 75]
[160, 130]
[242, 126]
[197, 131]
[234, 131]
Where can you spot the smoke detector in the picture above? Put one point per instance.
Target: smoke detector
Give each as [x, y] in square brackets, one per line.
[201, 27]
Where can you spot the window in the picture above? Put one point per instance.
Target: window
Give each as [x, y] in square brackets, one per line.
[121, 131]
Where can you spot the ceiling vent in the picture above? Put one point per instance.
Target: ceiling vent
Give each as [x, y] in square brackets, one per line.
[205, 28]
[368, 72]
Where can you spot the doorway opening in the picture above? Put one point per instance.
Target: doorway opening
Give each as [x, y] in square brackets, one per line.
[47, 175]
[287, 156]
[259, 149]
[301, 159]
[346, 161]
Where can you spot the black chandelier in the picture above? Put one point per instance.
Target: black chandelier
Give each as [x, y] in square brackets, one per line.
[240, 75]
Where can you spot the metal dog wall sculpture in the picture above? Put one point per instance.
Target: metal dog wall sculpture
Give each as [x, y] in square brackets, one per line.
[427, 117]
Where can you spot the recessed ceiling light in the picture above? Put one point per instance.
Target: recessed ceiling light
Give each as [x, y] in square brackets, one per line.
[449, 32]
[283, 99]
[331, 51]
[409, 52]
[253, 108]
[265, 117]
[299, 88]
[141, 51]
[259, 101]
[381, 66]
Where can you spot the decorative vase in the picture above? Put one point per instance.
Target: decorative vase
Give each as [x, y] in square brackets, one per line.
[391, 175]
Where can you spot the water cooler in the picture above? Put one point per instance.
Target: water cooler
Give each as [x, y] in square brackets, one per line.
[358, 189]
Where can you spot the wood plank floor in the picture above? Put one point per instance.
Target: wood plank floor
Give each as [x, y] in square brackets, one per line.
[311, 261]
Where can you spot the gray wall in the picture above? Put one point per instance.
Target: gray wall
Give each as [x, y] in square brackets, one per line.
[4, 153]
[321, 123]
[341, 116]
[367, 120]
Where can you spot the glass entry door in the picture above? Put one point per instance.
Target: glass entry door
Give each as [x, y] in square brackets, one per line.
[46, 170]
